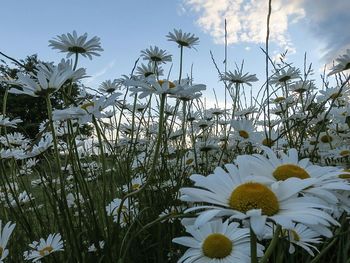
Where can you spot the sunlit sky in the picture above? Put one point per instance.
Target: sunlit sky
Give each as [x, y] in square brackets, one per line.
[127, 27]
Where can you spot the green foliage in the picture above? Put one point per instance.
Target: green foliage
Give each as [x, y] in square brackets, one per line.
[32, 110]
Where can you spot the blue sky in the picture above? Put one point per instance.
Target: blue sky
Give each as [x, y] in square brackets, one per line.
[127, 27]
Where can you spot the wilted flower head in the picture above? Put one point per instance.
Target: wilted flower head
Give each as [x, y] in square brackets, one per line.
[72, 44]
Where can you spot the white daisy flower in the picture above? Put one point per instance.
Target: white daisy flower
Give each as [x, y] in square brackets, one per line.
[343, 63]
[217, 241]
[336, 93]
[281, 76]
[44, 247]
[46, 141]
[276, 140]
[327, 141]
[72, 44]
[244, 130]
[109, 86]
[302, 86]
[274, 169]
[299, 235]
[342, 151]
[46, 80]
[148, 70]
[155, 54]
[6, 122]
[237, 77]
[151, 86]
[135, 184]
[14, 139]
[183, 39]
[186, 92]
[239, 195]
[126, 211]
[93, 248]
[5, 234]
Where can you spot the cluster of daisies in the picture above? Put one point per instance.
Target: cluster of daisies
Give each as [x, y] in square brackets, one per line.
[260, 194]
[269, 161]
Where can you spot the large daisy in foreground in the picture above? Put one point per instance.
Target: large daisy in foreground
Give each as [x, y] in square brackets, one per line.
[217, 241]
[275, 168]
[238, 196]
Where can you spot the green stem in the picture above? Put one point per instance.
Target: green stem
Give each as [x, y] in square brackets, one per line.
[62, 202]
[181, 59]
[253, 249]
[272, 245]
[76, 61]
[160, 134]
[4, 105]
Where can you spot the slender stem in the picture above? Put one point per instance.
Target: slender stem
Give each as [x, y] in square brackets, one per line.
[181, 59]
[272, 245]
[268, 128]
[63, 203]
[4, 106]
[76, 61]
[155, 158]
[253, 248]
[160, 134]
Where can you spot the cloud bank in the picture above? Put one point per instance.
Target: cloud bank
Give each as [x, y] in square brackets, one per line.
[329, 22]
[246, 19]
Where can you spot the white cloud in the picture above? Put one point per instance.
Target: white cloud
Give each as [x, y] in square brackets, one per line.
[246, 19]
[324, 20]
[328, 21]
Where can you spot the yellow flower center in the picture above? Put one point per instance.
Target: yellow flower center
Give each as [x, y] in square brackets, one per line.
[291, 234]
[284, 78]
[285, 171]
[326, 138]
[251, 195]
[294, 235]
[135, 187]
[189, 161]
[87, 105]
[279, 99]
[217, 246]
[346, 175]
[244, 134]
[156, 58]
[45, 251]
[268, 142]
[76, 49]
[335, 95]
[182, 43]
[345, 153]
[171, 84]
